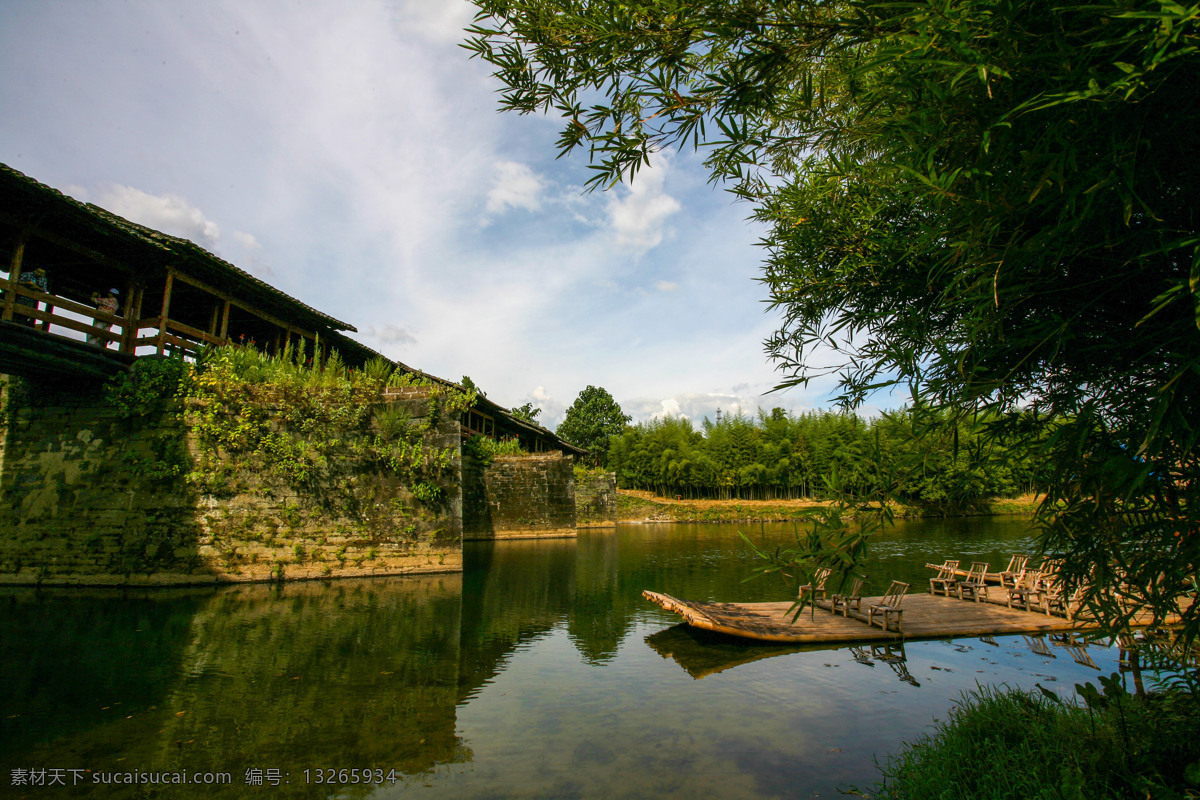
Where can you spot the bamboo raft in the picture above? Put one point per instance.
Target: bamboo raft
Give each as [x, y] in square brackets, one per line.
[925, 617]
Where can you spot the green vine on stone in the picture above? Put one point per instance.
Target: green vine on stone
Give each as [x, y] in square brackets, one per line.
[297, 421]
[148, 387]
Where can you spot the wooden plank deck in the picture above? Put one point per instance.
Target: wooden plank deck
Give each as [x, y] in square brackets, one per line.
[925, 617]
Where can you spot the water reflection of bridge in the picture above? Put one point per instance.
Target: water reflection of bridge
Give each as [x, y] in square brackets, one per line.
[288, 676]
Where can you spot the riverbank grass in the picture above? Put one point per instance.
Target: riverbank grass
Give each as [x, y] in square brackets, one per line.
[643, 506]
[1003, 743]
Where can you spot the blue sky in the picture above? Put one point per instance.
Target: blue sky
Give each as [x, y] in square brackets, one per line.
[352, 155]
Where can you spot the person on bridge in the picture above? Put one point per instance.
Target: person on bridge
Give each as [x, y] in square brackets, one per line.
[35, 280]
[106, 303]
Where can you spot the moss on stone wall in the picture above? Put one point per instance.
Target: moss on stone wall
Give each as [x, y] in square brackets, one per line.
[223, 475]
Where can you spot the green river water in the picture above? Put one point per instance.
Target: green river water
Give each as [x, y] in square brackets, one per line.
[540, 672]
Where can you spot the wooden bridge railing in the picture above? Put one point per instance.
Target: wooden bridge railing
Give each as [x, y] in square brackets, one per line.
[133, 332]
[42, 319]
[167, 334]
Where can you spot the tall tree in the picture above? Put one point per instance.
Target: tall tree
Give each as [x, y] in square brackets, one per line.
[591, 420]
[993, 202]
[470, 386]
[526, 412]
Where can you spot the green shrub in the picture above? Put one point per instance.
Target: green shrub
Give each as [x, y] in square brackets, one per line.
[297, 421]
[427, 493]
[484, 449]
[392, 423]
[148, 386]
[584, 472]
[378, 369]
[1010, 743]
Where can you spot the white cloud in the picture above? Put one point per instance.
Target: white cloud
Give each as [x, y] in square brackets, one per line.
[168, 213]
[666, 286]
[440, 21]
[515, 186]
[391, 334]
[247, 254]
[696, 406]
[552, 409]
[246, 240]
[638, 212]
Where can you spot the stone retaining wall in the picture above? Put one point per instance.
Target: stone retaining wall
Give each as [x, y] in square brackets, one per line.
[522, 496]
[83, 501]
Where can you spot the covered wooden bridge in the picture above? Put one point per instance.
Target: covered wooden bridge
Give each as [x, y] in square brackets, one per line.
[172, 294]
[60, 256]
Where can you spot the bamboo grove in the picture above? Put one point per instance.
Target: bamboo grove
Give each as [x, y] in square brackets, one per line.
[777, 455]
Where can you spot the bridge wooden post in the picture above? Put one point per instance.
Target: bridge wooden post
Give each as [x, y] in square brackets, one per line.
[166, 310]
[133, 313]
[14, 276]
[50, 313]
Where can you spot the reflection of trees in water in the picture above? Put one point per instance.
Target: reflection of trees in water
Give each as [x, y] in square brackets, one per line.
[304, 676]
[513, 592]
[520, 589]
[600, 614]
[517, 590]
[67, 654]
[360, 673]
[348, 673]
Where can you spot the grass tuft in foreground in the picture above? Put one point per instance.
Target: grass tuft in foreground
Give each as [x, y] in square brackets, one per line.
[1006, 743]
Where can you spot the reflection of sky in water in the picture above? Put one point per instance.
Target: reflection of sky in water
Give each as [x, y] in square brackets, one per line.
[539, 672]
[798, 724]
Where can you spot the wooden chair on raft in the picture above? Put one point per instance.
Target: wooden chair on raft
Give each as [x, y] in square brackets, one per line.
[851, 597]
[1057, 601]
[888, 607]
[1049, 593]
[820, 577]
[975, 584]
[945, 579]
[1048, 570]
[1027, 591]
[1016, 566]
